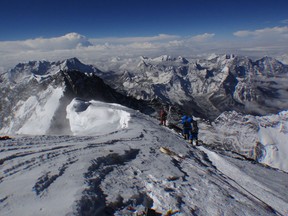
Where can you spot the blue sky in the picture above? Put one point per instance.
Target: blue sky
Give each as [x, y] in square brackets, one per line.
[89, 29]
[26, 19]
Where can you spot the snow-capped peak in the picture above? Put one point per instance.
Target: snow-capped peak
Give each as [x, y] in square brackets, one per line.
[76, 64]
[108, 159]
[182, 60]
[22, 72]
[80, 40]
[162, 58]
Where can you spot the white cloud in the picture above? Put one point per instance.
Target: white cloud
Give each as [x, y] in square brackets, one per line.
[243, 33]
[203, 37]
[75, 45]
[267, 41]
[266, 32]
[177, 43]
[68, 41]
[126, 40]
[260, 49]
[144, 45]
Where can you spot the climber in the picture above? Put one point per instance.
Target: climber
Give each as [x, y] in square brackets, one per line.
[194, 133]
[186, 121]
[163, 117]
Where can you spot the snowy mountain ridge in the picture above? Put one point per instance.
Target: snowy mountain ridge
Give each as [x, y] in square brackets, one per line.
[24, 71]
[219, 83]
[122, 171]
[105, 157]
[29, 93]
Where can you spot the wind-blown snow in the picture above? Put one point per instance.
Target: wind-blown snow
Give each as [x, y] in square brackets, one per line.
[96, 118]
[40, 121]
[121, 167]
[245, 181]
[34, 115]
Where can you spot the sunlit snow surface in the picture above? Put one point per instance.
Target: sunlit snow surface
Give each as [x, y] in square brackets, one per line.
[120, 166]
[241, 133]
[34, 115]
[95, 118]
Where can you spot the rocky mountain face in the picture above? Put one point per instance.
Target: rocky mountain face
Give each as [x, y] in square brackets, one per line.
[223, 89]
[258, 138]
[35, 86]
[207, 87]
[122, 167]
[201, 87]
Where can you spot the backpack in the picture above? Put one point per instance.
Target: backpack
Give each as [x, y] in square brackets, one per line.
[163, 114]
[186, 124]
[195, 127]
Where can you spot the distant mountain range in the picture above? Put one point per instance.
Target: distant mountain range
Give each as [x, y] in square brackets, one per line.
[207, 87]
[201, 87]
[222, 89]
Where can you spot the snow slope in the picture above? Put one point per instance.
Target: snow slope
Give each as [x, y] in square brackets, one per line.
[262, 138]
[120, 170]
[274, 138]
[96, 118]
[34, 115]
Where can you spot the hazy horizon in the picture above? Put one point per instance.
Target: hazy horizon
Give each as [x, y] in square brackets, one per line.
[37, 30]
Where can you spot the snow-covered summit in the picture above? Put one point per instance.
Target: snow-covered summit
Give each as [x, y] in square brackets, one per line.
[166, 58]
[209, 86]
[205, 87]
[76, 38]
[23, 72]
[37, 90]
[182, 60]
[97, 118]
[271, 67]
[162, 58]
[76, 64]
